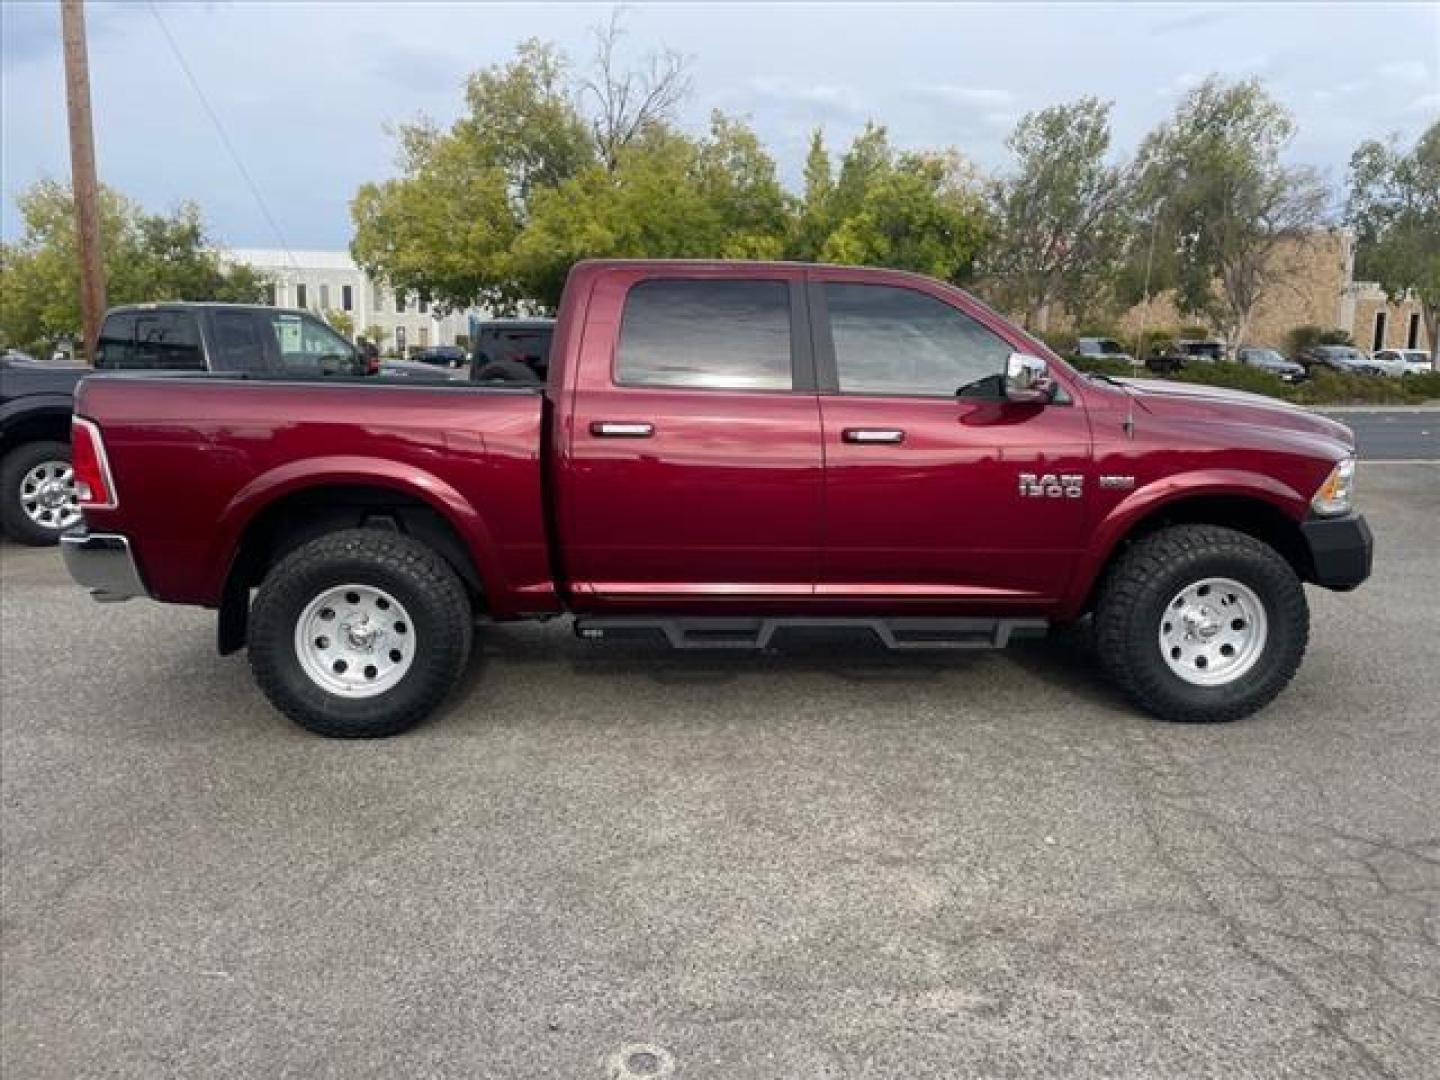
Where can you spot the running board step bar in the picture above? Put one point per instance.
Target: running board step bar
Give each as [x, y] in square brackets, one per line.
[756, 633]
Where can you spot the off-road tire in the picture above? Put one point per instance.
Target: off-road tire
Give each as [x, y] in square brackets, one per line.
[1133, 601]
[16, 523]
[410, 571]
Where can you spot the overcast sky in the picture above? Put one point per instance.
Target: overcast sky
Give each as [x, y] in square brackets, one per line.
[305, 90]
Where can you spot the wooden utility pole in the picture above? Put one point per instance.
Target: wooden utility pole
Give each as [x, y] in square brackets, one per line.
[83, 181]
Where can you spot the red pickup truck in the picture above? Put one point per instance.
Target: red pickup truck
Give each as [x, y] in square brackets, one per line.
[723, 451]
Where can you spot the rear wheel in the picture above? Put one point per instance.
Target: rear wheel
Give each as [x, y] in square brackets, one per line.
[360, 633]
[1202, 623]
[37, 492]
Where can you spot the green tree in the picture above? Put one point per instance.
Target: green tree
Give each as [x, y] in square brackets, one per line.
[1394, 207]
[375, 334]
[1222, 203]
[446, 228]
[443, 230]
[911, 211]
[667, 196]
[1062, 215]
[342, 322]
[147, 257]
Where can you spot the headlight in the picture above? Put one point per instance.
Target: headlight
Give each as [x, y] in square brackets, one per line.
[1334, 494]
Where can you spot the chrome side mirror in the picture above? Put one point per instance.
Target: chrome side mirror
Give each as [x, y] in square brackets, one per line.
[1027, 380]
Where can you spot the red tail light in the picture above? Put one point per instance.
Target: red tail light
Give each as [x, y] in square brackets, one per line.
[94, 486]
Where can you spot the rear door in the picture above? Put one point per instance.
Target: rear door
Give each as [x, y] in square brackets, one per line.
[693, 475]
[929, 496]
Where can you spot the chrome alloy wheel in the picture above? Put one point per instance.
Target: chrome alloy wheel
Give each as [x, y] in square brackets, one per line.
[47, 495]
[1213, 631]
[356, 641]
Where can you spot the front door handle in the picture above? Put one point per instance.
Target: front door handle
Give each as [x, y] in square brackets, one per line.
[613, 429]
[873, 435]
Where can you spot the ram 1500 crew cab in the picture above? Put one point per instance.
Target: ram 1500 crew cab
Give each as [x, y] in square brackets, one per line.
[722, 451]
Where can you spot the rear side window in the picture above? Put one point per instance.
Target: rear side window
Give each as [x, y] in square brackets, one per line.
[117, 341]
[166, 340]
[893, 340]
[237, 342]
[711, 335]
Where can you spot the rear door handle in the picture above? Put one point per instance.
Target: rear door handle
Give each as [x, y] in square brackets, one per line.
[613, 429]
[873, 435]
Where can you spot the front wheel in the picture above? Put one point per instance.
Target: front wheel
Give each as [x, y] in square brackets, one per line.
[360, 633]
[1202, 623]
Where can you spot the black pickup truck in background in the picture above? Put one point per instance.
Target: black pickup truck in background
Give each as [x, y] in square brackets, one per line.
[505, 351]
[37, 496]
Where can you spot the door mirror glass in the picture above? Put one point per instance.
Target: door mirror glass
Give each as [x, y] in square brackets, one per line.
[1027, 380]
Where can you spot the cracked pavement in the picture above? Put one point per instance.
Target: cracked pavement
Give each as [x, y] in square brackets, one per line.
[829, 861]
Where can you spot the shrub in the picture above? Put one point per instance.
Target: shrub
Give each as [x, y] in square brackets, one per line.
[1235, 377]
[1302, 337]
[1101, 367]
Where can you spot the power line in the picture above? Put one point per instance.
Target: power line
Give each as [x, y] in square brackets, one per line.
[220, 130]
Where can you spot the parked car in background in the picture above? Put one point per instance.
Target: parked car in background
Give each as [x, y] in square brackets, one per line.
[1409, 361]
[1342, 358]
[450, 357]
[1180, 354]
[1390, 362]
[1272, 361]
[724, 451]
[37, 493]
[1098, 348]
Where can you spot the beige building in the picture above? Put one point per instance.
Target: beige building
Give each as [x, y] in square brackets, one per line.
[1312, 283]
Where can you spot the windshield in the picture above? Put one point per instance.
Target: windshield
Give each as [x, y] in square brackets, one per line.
[1340, 352]
[1263, 356]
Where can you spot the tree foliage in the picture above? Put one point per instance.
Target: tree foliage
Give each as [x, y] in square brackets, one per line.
[496, 211]
[911, 211]
[1062, 215]
[147, 257]
[1222, 203]
[1394, 207]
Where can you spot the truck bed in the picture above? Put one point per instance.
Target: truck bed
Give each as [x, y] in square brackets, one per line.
[194, 460]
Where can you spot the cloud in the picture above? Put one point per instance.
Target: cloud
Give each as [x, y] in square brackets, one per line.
[1192, 20]
[1406, 71]
[1429, 103]
[830, 100]
[975, 97]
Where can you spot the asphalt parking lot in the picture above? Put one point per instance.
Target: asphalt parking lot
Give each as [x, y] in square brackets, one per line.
[829, 861]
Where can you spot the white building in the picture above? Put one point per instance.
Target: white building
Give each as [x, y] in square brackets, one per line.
[322, 281]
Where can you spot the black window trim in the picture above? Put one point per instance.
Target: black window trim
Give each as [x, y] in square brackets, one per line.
[802, 347]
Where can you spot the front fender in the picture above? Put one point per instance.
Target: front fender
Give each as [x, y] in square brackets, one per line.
[1140, 504]
[354, 470]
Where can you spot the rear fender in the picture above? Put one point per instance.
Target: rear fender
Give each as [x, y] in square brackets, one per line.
[1112, 529]
[351, 470]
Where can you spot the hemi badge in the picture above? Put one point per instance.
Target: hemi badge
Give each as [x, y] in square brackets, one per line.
[1115, 481]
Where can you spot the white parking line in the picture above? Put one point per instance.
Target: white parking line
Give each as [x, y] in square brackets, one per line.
[1399, 461]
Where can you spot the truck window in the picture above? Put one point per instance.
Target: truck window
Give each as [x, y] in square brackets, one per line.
[167, 340]
[117, 341]
[713, 335]
[306, 346]
[237, 342]
[894, 340]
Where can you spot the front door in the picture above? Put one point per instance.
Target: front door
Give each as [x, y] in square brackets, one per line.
[929, 496]
[692, 478]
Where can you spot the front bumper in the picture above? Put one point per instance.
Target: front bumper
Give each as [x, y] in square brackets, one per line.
[102, 563]
[1342, 550]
